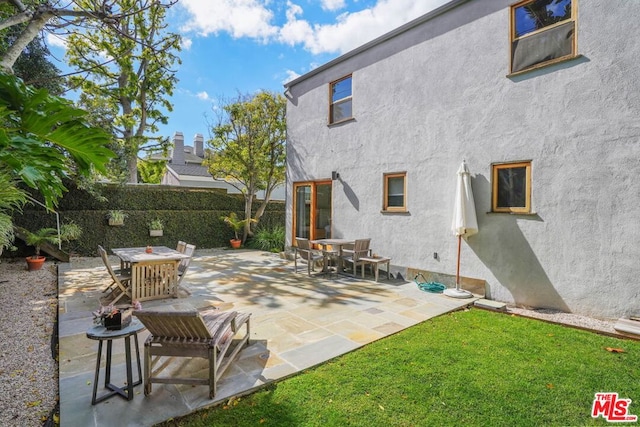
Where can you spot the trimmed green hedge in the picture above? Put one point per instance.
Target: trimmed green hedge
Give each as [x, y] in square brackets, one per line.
[188, 214]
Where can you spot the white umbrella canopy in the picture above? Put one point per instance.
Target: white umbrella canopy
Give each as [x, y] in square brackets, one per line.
[465, 222]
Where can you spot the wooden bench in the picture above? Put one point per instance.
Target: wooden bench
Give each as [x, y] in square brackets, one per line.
[375, 262]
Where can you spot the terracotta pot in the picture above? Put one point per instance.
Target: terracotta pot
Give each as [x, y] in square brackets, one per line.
[35, 263]
[235, 243]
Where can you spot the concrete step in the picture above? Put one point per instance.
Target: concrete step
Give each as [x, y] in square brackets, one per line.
[490, 305]
[628, 326]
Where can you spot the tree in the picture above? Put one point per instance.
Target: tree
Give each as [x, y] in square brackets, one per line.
[248, 148]
[45, 139]
[33, 66]
[128, 66]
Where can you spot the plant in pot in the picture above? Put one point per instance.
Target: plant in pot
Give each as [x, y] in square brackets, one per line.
[116, 217]
[155, 227]
[44, 235]
[237, 225]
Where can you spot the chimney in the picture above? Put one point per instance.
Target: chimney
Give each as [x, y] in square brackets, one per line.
[178, 149]
[198, 144]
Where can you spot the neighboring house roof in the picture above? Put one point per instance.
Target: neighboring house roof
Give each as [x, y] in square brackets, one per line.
[191, 170]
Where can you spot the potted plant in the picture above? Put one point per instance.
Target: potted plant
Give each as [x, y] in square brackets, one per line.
[44, 235]
[237, 225]
[115, 317]
[155, 227]
[116, 217]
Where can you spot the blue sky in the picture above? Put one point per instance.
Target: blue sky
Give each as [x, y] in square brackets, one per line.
[232, 46]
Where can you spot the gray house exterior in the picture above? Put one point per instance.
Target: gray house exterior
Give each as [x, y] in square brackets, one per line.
[376, 136]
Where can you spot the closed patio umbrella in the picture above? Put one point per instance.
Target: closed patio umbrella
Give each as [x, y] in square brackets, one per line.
[464, 222]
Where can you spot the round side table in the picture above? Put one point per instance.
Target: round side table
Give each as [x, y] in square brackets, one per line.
[102, 334]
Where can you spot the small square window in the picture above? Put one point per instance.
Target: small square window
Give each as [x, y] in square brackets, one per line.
[542, 32]
[395, 192]
[340, 100]
[511, 187]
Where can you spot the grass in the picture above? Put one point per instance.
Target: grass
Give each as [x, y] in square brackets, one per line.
[471, 368]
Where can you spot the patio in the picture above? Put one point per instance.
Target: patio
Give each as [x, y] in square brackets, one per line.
[297, 322]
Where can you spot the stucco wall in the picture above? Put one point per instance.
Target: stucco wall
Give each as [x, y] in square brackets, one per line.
[439, 93]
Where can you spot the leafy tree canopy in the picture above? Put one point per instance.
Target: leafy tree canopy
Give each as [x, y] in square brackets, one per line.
[248, 147]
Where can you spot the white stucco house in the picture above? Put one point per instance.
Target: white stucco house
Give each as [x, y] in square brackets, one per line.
[185, 168]
[542, 101]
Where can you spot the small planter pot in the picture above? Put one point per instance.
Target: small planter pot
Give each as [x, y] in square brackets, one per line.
[235, 243]
[35, 263]
[155, 233]
[117, 321]
[116, 222]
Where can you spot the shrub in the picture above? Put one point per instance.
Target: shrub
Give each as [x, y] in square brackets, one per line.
[269, 239]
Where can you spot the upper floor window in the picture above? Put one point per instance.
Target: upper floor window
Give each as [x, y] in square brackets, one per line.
[395, 192]
[542, 32]
[341, 99]
[511, 187]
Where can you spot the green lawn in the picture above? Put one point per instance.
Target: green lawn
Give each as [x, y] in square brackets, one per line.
[468, 368]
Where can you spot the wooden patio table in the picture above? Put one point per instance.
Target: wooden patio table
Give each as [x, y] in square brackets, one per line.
[153, 275]
[337, 244]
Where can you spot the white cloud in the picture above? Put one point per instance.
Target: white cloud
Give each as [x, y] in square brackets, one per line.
[332, 4]
[185, 43]
[291, 75]
[352, 29]
[239, 18]
[204, 96]
[56, 40]
[254, 19]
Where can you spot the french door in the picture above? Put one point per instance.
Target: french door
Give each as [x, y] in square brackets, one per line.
[312, 210]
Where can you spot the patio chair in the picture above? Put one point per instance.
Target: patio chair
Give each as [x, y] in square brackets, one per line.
[181, 246]
[353, 256]
[184, 264]
[120, 279]
[307, 254]
[212, 335]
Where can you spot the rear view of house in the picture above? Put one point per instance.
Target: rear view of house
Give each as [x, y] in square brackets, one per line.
[542, 101]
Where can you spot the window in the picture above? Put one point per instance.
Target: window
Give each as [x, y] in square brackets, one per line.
[341, 99]
[543, 32]
[511, 187]
[395, 192]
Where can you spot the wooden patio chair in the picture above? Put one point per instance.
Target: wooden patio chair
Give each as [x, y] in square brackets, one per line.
[184, 265]
[212, 335]
[307, 254]
[353, 256]
[120, 279]
[181, 246]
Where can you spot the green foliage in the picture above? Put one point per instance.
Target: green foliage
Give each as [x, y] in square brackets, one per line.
[269, 239]
[70, 231]
[236, 224]
[248, 147]
[189, 214]
[137, 83]
[43, 235]
[11, 199]
[468, 368]
[44, 139]
[156, 224]
[151, 172]
[117, 215]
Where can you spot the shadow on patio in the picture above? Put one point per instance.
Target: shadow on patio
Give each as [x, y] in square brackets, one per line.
[297, 322]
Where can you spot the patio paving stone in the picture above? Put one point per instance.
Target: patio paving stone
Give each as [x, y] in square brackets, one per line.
[297, 322]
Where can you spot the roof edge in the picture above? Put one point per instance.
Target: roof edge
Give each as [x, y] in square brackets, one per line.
[378, 40]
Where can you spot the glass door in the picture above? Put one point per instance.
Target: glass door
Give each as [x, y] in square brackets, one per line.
[312, 210]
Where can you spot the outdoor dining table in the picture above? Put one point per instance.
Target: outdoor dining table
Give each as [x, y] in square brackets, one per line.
[336, 248]
[154, 275]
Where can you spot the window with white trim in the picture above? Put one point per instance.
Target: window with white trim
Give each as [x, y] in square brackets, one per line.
[341, 99]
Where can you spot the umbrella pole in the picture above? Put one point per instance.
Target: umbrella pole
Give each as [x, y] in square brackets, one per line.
[458, 266]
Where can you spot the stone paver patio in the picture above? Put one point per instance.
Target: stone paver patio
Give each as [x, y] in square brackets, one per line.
[297, 322]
